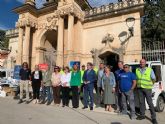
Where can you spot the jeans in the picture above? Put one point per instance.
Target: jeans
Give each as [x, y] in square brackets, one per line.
[99, 96]
[88, 92]
[130, 97]
[46, 93]
[118, 101]
[24, 83]
[146, 93]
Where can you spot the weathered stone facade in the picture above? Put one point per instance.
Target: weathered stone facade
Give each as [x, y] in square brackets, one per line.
[62, 32]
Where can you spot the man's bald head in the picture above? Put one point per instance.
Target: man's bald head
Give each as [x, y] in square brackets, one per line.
[142, 63]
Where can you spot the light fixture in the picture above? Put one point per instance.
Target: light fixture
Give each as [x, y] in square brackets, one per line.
[130, 21]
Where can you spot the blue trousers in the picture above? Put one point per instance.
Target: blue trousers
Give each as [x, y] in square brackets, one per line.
[88, 92]
[46, 92]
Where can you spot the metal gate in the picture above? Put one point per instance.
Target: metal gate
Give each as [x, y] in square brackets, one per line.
[154, 51]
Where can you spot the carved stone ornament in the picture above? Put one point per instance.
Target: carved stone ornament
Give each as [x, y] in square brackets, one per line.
[108, 39]
[72, 9]
[50, 24]
[26, 22]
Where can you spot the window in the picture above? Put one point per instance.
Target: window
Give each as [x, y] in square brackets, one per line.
[134, 67]
[2, 74]
[157, 71]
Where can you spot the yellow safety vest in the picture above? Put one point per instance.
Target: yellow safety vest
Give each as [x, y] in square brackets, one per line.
[96, 70]
[144, 80]
[61, 72]
[82, 73]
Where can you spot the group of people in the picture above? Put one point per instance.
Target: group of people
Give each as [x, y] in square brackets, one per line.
[112, 88]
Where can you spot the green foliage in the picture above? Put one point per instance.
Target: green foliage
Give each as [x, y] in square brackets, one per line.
[153, 26]
[4, 41]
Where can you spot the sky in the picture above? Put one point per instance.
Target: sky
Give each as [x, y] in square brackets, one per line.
[8, 18]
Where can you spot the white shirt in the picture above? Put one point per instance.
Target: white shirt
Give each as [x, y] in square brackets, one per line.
[36, 75]
[65, 78]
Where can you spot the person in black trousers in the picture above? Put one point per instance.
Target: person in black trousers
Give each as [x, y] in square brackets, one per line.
[65, 83]
[36, 83]
[75, 85]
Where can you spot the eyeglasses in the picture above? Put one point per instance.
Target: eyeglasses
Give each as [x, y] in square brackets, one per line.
[125, 67]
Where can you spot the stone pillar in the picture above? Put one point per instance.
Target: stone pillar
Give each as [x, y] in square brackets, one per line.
[26, 45]
[60, 42]
[20, 46]
[70, 36]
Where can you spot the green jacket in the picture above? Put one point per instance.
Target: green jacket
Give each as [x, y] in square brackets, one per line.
[47, 78]
[75, 78]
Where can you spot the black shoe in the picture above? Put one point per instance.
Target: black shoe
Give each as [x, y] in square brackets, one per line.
[117, 111]
[154, 121]
[85, 107]
[91, 108]
[75, 107]
[43, 102]
[48, 103]
[20, 101]
[63, 105]
[140, 118]
[27, 102]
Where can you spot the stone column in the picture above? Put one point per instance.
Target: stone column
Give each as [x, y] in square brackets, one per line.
[70, 36]
[26, 45]
[60, 42]
[20, 46]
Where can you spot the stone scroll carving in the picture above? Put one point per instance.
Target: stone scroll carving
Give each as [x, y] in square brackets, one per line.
[50, 24]
[72, 9]
[26, 22]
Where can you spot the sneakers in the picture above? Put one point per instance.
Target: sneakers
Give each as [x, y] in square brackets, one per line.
[154, 121]
[37, 101]
[27, 102]
[20, 101]
[133, 117]
[48, 103]
[117, 111]
[34, 101]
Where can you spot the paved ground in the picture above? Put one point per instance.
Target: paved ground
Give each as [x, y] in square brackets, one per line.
[12, 113]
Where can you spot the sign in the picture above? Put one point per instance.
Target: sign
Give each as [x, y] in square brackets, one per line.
[43, 66]
[17, 69]
[73, 63]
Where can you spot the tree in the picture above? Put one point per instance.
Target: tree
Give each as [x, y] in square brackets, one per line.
[153, 25]
[4, 41]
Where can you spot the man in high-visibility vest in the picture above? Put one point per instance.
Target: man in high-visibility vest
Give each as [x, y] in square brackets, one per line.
[95, 68]
[82, 83]
[145, 80]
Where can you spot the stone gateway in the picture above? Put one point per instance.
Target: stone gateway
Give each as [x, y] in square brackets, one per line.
[71, 30]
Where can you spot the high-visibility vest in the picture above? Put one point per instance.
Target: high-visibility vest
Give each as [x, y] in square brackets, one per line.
[95, 69]
[82, 73]
[61, 72]
[144, 80]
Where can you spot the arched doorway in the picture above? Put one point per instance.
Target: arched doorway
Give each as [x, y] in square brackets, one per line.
[49, 47]
[110, 58]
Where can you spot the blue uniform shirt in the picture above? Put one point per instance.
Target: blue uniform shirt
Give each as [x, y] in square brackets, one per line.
[126, 81]
[118, 72]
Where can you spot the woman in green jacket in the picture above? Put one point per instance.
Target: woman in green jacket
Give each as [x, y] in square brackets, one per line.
[75, 85]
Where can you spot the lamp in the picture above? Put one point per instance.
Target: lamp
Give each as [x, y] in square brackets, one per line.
[130, 21]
